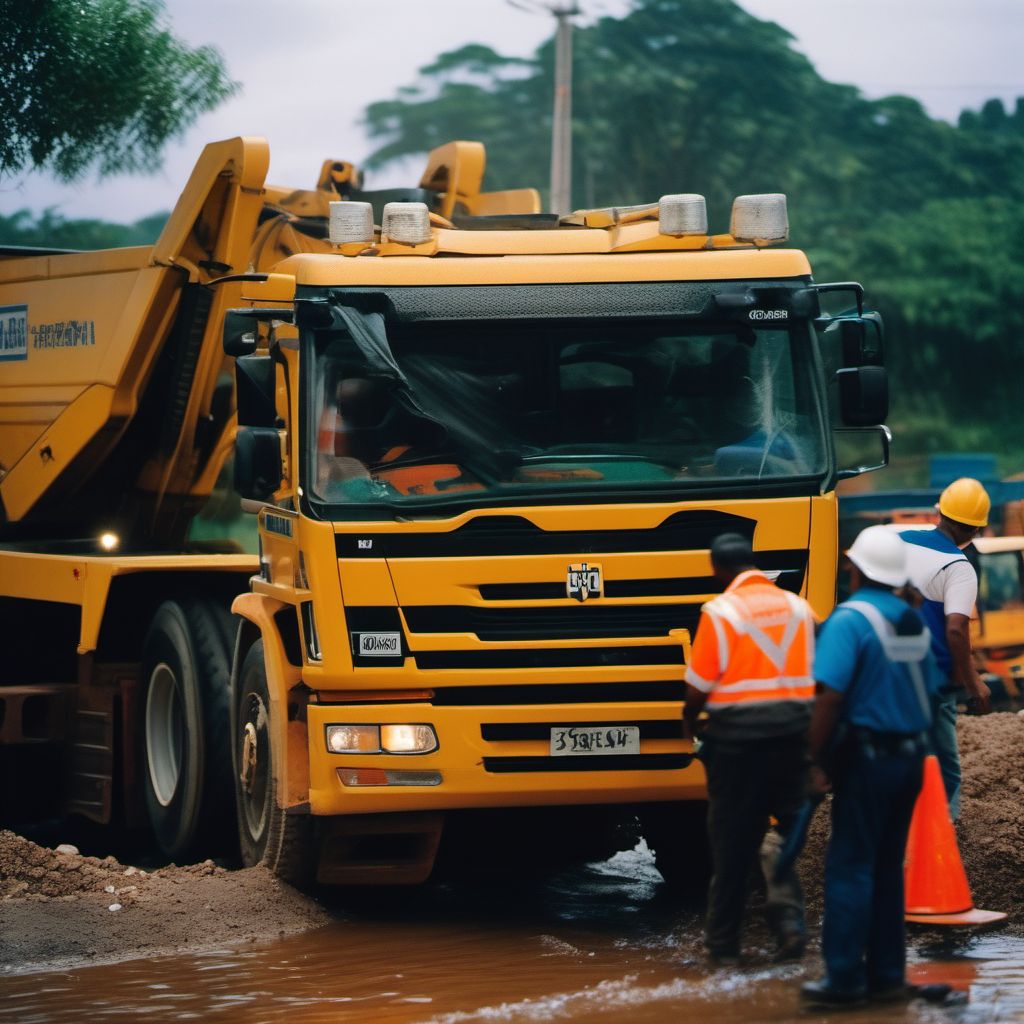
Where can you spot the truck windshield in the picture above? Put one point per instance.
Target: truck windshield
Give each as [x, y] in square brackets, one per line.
[519, 409]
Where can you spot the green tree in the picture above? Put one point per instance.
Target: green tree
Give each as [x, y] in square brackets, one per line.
[51, 230]
[680, 95]
[99, 83]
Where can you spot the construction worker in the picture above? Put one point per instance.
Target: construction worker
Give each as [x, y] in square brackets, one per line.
[750, 667]
[938, 568]
[869, 735]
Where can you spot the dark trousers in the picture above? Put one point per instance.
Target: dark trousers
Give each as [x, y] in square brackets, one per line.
[748, 781]
[863, 938]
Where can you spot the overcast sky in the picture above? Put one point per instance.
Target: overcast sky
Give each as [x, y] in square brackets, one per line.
[309, 67]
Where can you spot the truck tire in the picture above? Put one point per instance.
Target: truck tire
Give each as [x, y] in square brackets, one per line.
[184, 733]
[281, 842]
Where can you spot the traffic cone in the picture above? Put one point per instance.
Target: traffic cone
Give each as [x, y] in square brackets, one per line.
[934, 878]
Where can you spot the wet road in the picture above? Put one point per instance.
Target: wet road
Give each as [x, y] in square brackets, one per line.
[601, 943]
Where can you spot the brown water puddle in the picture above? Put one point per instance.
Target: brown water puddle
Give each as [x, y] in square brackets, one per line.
[599, 944]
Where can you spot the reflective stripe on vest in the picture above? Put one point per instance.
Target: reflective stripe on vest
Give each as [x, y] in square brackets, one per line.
[765, 639]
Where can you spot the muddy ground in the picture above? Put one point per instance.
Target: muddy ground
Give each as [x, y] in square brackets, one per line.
[57, 907]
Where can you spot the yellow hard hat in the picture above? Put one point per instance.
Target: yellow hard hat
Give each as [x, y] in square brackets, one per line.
[965, 501]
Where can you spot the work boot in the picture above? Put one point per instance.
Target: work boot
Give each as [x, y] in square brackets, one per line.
[934, 993]
[791, 946]
[821, 993]
[728, 956]
[724, 959]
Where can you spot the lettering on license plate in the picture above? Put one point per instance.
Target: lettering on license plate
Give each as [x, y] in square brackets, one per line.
[594, 739]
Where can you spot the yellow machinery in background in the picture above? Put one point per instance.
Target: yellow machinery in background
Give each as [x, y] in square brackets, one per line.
[997, 634]
[488, 449]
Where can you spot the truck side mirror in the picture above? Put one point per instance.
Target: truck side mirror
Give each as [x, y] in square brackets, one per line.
[241, 326]
[863, 395]
[857, 341]
[256, 390]
[257, 462]
[882, 434]
[240, 332]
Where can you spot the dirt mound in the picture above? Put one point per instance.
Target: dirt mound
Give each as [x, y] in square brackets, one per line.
[28, 870]
[122, 911]
[991, 826]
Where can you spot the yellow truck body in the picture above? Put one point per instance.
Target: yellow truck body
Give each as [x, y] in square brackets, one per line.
[397, 609]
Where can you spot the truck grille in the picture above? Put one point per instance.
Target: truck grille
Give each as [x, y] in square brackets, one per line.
[529, 694]
[556, 657]
[488, 536]
[572, 622]
[587, 763]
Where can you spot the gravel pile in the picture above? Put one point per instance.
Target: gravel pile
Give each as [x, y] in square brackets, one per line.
[991, 826]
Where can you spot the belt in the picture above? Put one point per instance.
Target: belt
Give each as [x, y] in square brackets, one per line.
[891, 744]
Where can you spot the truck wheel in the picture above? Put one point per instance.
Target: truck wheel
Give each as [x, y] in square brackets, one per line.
[267, 835]
[185, 756]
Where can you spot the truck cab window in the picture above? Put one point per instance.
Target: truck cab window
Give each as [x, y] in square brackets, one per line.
[512, 408]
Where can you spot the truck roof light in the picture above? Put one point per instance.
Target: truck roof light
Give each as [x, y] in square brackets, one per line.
[682, 214]
[760, 218]
[408, 223]
[351, 222]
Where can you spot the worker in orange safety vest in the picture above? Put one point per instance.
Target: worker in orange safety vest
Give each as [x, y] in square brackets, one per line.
[750, 668]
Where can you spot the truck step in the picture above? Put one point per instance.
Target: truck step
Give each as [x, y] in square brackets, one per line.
[35, 714]
[92, 765]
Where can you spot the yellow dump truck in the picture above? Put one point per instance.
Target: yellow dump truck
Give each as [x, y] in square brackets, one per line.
[488, 449]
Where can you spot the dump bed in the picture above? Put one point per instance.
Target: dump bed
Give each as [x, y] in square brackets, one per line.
[109, 366]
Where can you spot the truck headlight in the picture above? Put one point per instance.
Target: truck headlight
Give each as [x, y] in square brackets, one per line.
[408, 739]
[381, 739]
[353, 739]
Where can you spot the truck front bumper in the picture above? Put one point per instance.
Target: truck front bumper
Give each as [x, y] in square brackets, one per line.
[514, 770]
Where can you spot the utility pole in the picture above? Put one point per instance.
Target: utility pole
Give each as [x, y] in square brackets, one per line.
[561, 121]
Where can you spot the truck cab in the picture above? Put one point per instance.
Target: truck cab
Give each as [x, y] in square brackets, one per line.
[490, 463]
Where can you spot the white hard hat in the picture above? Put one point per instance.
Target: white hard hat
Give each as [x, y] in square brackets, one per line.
[881, 555]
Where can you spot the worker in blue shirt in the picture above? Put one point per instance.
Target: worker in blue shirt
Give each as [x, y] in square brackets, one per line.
[876, 680]
[941, 573]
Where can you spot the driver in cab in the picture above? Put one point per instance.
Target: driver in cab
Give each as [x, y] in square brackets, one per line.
[364, 448]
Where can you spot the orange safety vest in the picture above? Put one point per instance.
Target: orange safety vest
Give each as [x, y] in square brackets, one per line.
[754, 645]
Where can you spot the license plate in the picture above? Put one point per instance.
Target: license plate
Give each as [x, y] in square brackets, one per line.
[594, 739]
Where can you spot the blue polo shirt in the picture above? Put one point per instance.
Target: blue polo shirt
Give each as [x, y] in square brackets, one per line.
[880, 694]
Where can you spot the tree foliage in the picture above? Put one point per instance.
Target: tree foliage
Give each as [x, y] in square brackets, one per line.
[51, 230]
[700, 96]
[99, 83]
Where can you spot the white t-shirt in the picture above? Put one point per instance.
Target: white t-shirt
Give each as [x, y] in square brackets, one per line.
[940, 571]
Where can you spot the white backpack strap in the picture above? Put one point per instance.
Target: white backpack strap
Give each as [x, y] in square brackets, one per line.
[909, 651]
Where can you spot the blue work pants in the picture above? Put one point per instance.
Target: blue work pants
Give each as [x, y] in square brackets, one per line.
[943, 738]
[863, 939]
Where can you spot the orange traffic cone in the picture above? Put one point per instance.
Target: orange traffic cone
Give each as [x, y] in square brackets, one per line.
[934, 877]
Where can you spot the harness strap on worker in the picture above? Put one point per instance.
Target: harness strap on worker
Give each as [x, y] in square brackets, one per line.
[909, 651]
